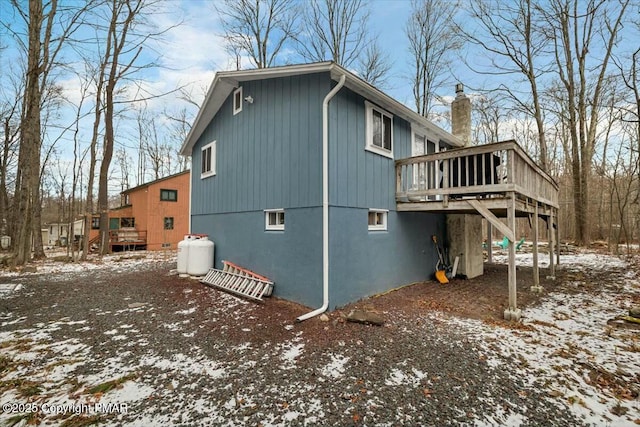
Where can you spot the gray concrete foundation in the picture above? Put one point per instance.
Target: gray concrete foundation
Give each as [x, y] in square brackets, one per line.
[513, 315]
[465, 241]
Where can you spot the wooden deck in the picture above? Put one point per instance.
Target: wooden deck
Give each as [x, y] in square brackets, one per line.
[492, 174]
[127, 239]
[496, 181]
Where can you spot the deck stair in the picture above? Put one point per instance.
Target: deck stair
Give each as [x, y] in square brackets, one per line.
[240, 281]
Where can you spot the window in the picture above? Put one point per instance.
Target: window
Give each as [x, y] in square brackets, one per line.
[378, 219]
[274, 219]
[379, 131]
[127, 200]
[237, 100]
[95, 222]
[127, 222]
[169, 195]
[208, 160]
[168, 223]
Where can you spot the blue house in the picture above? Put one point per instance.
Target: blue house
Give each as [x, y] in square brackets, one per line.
[299, 173]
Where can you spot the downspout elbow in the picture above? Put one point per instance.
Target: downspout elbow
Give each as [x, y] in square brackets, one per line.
[325, 202]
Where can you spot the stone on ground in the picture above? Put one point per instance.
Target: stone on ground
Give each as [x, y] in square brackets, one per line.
[366, 317]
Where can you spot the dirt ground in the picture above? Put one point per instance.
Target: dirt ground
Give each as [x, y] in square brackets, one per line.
[483, 298]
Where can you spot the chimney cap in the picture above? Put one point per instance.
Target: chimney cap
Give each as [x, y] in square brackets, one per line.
[459, 88]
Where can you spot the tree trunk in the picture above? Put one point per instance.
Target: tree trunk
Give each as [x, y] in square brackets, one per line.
[29, 157]
[38, 249]
[5, 215]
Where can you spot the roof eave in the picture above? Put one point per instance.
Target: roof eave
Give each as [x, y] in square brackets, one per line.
[224, 82]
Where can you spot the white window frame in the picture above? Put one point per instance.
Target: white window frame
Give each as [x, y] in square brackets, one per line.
[237, 106]
[369, 145]
[384, 215]
[212, 170]
[280, 220]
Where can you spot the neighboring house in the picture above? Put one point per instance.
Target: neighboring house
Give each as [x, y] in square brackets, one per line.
[58, 232]
[152, 216]
[274, 201]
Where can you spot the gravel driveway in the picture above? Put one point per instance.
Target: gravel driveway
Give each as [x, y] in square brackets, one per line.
[155, 349]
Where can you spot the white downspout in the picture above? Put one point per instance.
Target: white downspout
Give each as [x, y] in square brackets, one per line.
[325, 203]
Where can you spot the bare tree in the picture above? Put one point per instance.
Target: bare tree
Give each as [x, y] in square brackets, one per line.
[79, 156]
[155, 151]
[628, 68]
[258, 29]
[622, 172]
[99, 73]
[333, 30]
[432, 41]
[42, 48]
[126, 28]
[374, 66]
[123, 17]
[575, 29]
[509, 32]
[178, 125]
[489, 115]
[10, 116]
[123, 159]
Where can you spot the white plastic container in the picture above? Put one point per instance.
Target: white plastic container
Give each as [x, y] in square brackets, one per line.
[5, 242]
[183, 255]
[200, 258]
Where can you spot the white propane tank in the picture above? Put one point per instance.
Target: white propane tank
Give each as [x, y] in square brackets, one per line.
[200, 256]
[183, 255]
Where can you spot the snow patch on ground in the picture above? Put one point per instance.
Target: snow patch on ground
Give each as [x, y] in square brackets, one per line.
[123, 261]
[563, 346]
[566, 345]
[335, 368]
[187, 311]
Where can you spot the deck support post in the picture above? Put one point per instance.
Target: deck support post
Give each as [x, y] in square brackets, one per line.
[513, 312]
[557, 239]
[551, 236]
[489, 242]
[536, 272]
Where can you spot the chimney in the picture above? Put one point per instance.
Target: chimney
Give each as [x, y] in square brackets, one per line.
[461, 116]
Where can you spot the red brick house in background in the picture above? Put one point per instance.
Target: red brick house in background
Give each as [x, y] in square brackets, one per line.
[152, 216]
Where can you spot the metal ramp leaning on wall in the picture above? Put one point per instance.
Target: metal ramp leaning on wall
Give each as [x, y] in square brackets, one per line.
[240, 281]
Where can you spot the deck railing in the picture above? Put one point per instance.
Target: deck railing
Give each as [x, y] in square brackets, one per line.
[488, 170]
[124, 236]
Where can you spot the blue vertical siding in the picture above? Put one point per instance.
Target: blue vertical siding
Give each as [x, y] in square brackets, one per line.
[268, 155]
[291, 258]
[364, 262]
[360, 178]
